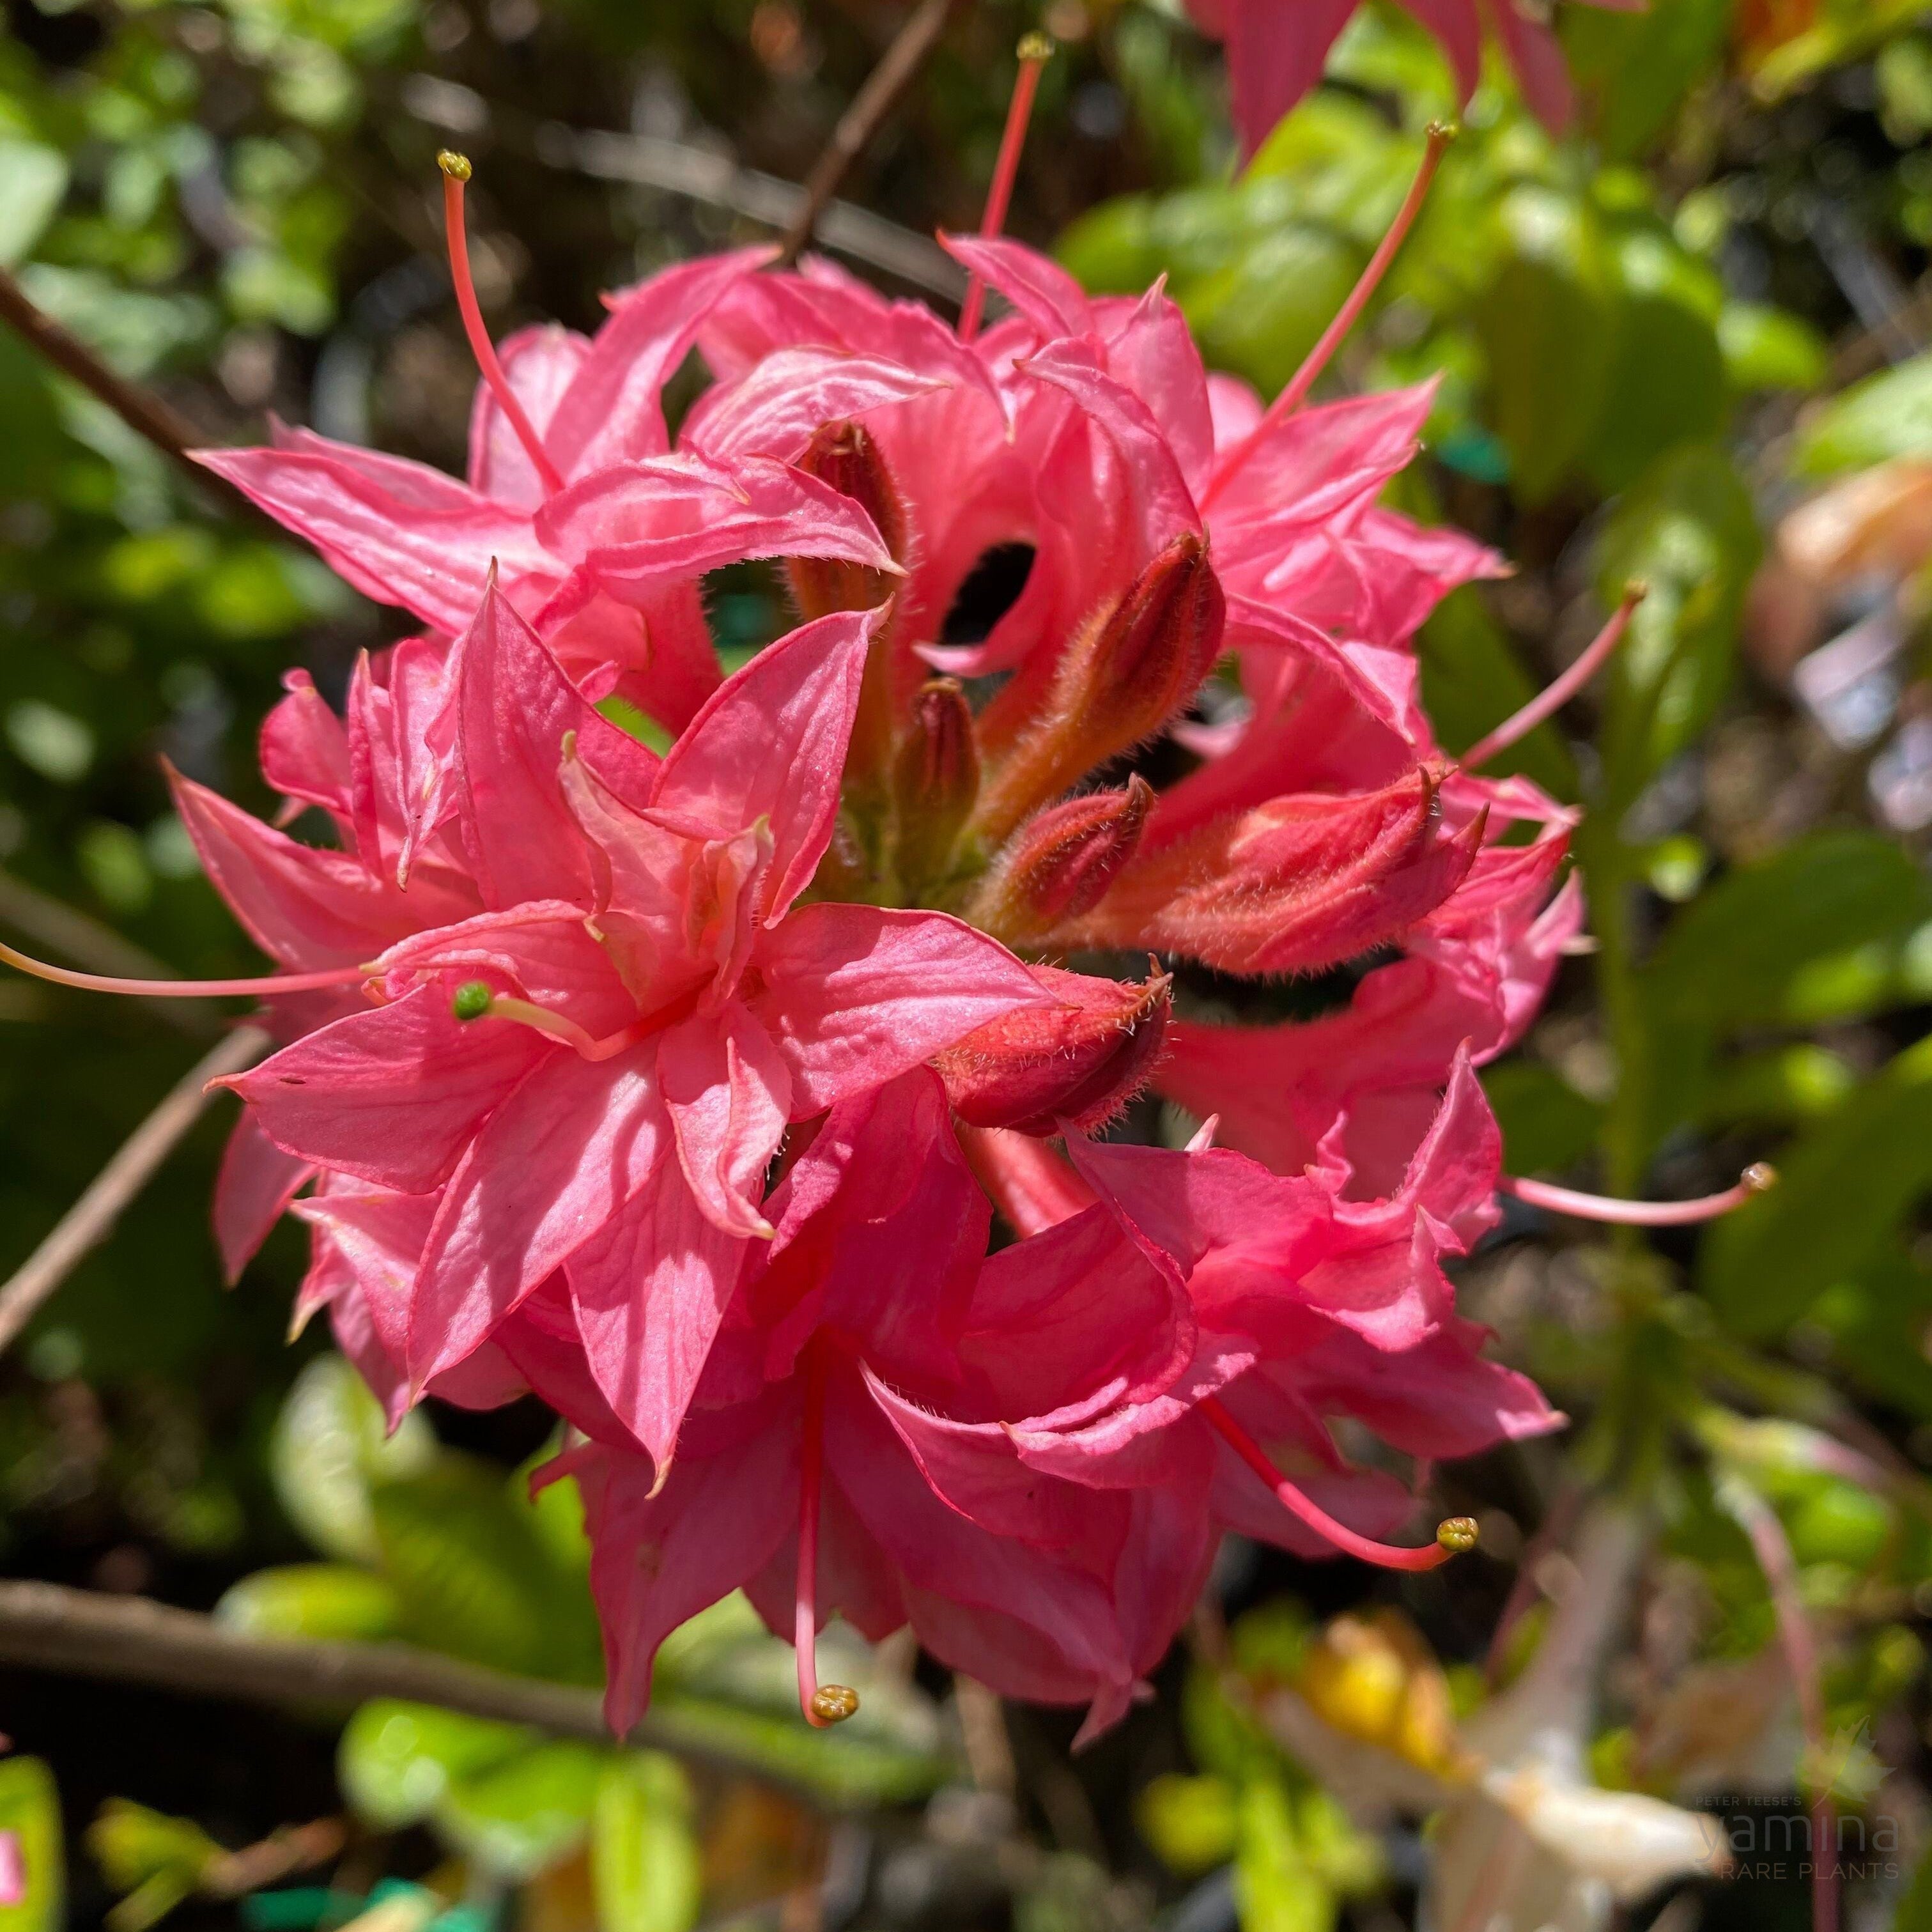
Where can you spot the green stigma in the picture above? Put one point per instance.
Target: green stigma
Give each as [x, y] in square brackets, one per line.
[472, 1000]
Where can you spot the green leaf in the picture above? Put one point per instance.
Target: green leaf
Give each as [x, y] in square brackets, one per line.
[1191, 1823]
[30, 1809]
[329, 1444]
[322, 1601]
[1886, 415]
[1261, 316]
[1278, 1885]
[1546, 324]
[1111, 250]
[518, 1818]
[1787, 1087]
[646, 1869]
[1876, 1322]
[1689, 530]
[1547, 1126]
[1472, 680]
[1843, 1188]
[154, 1860]
[1730, 960]
[396, 1761]
[1638, 68]
[36, 178]
[1665, 387]
[1767, 348]
[470, 1573]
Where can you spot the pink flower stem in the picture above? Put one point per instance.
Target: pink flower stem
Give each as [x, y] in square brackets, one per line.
[1759, 1521]
[1036, 50]
[1756, 1179]
[824, 1704]
[266, 987]
[1554, 696]
[455, 171]
[1319, 358]
[1389, 1556]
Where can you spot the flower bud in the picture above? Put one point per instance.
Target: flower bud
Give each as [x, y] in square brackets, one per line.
[935, 781]
[843, 456]
[1123, 676]
[1080, 1061]
[1059, 865]
[1293, 886]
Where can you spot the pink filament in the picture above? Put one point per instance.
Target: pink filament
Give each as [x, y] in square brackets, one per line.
[811, 1463]
[1388, 1555]
[481, 347]
[1319, 358]
[1006, 170]
[1554, 696]
[266, 987]
[1755, 1180]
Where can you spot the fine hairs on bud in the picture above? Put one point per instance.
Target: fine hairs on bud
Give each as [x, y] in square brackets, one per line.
[935, 781]
[1059, 866]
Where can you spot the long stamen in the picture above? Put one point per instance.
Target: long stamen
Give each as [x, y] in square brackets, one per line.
[455, 171]
[1440, 134]
[476, 1000]
[1756, 1179]
[1549, 700]
[1035, 51]
[1457, 1534]
[266, 986]
[824, 1704]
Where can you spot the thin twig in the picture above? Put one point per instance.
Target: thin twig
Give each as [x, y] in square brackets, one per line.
[135, 1640]
[55, 927]
[88, 1221]
[140, 408]
[860, 121]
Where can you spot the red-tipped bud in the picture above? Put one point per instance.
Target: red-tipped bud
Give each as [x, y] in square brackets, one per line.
[843, 456]
[935, 781]
[1081, 1061]
[1123, 676]
[1059, 865]
[1292, 886]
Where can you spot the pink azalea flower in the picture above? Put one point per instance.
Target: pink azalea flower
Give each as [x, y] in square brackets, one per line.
[834, 1458]
[595, 1070]
[1276, 49]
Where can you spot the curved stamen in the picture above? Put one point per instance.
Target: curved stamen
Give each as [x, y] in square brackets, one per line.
[1553, 697]
[455, 171]
[1756, 1179]
[1440, 134]
[1456, 1534]
[824, 1704]
[265, 986]
[1035, 51]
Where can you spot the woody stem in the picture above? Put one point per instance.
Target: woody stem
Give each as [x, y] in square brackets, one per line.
[1388, 1556]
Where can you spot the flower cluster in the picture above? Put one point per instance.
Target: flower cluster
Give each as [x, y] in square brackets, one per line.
[683, 1089]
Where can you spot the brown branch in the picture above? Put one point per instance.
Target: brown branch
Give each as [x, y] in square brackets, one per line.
[140, 408]
[860, 121]
[135, 1640]
[89, 1221]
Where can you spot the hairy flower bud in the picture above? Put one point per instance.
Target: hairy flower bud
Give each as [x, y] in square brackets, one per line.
[1126, 675]
[1291, 886]
[843, 456]
[1081, 1061]
[1059, 864]
[935, 780]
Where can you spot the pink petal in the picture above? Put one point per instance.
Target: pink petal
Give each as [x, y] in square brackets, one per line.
[650, 1290]
[304, 751]
[1276, 54]
[257, 1183]
[611, 411]
[774, 410]
[393, 1095]
[1154, 355]
[400, 533]
[541, 364]
[769, 743]
[554, 1163]
[1456, 25]
[854, 995]
[729, 1097]
[1041, 290]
